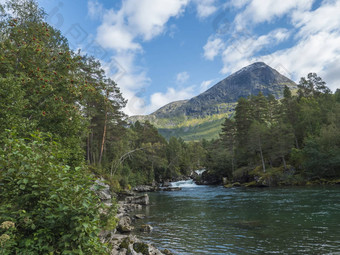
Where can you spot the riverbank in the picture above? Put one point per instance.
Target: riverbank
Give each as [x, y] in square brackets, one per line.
[120, 240]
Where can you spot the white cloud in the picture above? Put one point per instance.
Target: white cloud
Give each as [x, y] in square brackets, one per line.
[318, 53]
[205, 85]
[182, 77]
[316, 39]
[242, 48]
[116, 37]
[123, 31]
[212, 48]
[324, 19]
[148, 17]
[95, 9]
[205, 8]
[258, 11]
[160, 99]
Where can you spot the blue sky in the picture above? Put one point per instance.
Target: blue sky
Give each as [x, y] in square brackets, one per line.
[160, 51]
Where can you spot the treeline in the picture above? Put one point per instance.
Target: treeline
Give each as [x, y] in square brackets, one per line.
[146, 157]
[266, 137]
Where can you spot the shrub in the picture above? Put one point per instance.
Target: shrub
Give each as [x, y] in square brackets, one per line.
[50, 203]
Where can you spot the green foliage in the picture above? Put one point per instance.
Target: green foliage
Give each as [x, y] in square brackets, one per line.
[141, 248]
[51, 203]
[302, 131]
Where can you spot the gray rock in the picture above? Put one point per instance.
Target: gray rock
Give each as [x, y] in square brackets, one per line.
[140, 216]
[166, 184]
[144, 188]
[102, 190]
[124, 225]
[146, 228]
[140, 200]
[172, 189]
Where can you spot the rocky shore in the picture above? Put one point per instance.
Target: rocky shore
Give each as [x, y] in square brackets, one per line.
[120, 240]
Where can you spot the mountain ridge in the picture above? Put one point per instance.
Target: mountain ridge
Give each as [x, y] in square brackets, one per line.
[219, 100]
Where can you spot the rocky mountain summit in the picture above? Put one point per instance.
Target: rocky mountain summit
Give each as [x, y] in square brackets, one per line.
[219, 101]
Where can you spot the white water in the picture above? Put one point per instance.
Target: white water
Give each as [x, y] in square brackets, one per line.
[199, 172]
[184, 184]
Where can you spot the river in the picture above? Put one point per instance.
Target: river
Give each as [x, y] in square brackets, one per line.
[215, 220]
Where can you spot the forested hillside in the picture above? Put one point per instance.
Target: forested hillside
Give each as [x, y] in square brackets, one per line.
[290, 141]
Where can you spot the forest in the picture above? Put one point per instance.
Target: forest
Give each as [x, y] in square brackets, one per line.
[62, 126]
[291, 141]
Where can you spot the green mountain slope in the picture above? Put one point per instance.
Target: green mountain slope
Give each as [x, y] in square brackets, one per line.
[201, 116]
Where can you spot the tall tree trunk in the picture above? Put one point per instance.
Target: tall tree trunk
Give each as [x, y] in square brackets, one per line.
[263, 165]
[103, 140]
[88, 149]
[296, 142]
[284, 162]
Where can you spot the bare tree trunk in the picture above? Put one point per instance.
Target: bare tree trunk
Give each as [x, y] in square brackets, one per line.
[296, 142]
[93, 153]
[284, 162]
[263, 165]
[103, 140]
[88, 149]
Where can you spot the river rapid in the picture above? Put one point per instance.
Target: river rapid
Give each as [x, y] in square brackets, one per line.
[215, 220]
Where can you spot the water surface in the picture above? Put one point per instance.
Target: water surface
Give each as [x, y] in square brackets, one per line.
[215, 220]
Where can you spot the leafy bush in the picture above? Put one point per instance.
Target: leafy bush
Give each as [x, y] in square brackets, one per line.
[50, 204]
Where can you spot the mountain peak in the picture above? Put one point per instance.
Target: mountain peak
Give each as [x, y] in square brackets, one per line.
[201, 116]
[251, 68]
[250, 80]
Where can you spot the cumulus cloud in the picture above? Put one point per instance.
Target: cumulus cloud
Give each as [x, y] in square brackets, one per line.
[182, 77]
[123, 31]
[213, 47]
[95, 9]
[257, 11]
[242, 48]
[318, 53]
[205, 85]
[316, 39]
[205, 8]
[160, 99]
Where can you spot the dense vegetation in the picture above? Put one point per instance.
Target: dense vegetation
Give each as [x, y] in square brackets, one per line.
[62, 126]
[288, 141]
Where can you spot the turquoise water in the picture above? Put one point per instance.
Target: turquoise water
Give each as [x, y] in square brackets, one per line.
[215, 220]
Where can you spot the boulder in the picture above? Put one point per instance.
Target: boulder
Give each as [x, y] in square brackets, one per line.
[167, 252]
[172, 189]
[102, 190]
[145, 188]
[208, 179]
[140, 216]
[140, 200]
[124, 225]
[146, 228]
[166, 183]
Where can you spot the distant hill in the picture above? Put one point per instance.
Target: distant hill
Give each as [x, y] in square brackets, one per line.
[201, 116]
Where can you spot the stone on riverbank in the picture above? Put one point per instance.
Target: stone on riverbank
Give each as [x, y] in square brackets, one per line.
[146, 228]
[140, 200]
[145, 188]
[124, 225]
[140, 216]
[172, 189]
